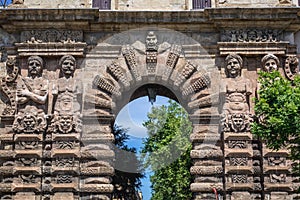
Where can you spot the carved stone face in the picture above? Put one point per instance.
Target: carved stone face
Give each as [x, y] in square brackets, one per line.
[252, 36]
[238, 122]
[65, 124]
[35, 68]
[29, 123]
[271, 65]
[68, 67]
[151, 41]
[233, 68]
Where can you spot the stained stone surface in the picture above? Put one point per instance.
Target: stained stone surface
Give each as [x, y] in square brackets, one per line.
[68, 72]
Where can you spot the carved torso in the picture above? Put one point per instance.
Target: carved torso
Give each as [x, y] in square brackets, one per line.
[67, 101]
[37, 86]
[236, 91]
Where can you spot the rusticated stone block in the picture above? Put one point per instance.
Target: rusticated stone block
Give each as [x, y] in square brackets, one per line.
[206, 153]
[63, 196]
[206, 170]
[97, 188]
[240, 195]
[204, 187]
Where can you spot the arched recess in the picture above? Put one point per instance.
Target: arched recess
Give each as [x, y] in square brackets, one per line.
[147, 66]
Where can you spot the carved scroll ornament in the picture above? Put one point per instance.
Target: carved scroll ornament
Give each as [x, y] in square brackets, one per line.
[291, 67]
[7, 86]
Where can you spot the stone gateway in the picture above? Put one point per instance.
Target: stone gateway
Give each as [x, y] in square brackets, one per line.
[67, 69]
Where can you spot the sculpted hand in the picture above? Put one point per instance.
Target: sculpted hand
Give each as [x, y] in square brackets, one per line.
[24, 93]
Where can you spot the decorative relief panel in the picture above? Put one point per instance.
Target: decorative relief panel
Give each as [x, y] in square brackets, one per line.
[51, 35]
[236, 91]
[251, 35]
[30, 120]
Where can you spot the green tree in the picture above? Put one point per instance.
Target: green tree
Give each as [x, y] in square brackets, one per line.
[128, 173]
[278, 113]
[167, 152]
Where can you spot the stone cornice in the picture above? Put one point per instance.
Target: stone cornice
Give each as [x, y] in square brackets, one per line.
[14, 20]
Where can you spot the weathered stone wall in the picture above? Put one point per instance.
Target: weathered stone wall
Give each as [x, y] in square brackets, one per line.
[149, 5]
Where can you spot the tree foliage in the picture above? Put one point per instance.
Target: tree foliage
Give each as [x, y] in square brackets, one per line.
[278, 112]
[128, 173]
[167, 152]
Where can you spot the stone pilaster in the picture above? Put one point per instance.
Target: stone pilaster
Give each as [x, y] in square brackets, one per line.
[207, 159]
[96, 166]
[277, 173]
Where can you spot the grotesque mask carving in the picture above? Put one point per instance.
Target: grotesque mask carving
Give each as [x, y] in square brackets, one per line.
[30, 120]
[151, 42]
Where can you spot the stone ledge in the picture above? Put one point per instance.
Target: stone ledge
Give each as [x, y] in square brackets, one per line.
[248, 152]
[65, 152]
[205, 187]
[19, 187]
[50, 49]
[25, 169]
[279, 169]
[239, 186]
[253, 48]
[206, 170]
[7, 137]
[206, 153]
[20, 153]
[97, 154]
[97, 188]
[238, 169]
[96, 171]
[238, 136]
[65, 187]
[28, 137]
[68, 170]
[278, 187]
[60, 137]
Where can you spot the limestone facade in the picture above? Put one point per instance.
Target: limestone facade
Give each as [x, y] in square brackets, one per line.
[68, 72]
[151, 5]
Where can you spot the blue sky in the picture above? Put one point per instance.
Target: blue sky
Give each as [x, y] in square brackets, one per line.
[7, 2]
[132, 116]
